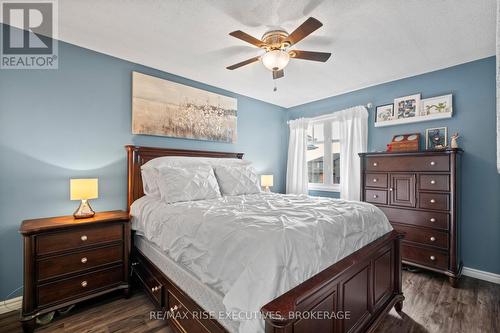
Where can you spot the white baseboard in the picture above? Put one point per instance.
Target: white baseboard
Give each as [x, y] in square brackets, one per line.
[12, 304]
[481, 275]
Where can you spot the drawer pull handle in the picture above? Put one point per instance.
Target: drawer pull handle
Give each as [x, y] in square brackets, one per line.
[432, 258]
[375, 196]
[84, 284]
[84, 260]
[83, 238]
[433, 201]
[155, 289]
[175, 308]
[375, 164]
[433, 163]
[433, 182]
[433, 239]
[375, 180]
[433, 219]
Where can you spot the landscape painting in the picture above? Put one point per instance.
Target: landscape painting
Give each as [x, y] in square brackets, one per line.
[165, 108]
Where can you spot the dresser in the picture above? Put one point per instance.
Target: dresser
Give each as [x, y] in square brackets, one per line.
[419, 192]
[67, 261]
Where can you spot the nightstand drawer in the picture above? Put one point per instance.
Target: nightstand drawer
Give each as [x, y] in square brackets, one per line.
[75, 238]
[77, 286]
[79, 261]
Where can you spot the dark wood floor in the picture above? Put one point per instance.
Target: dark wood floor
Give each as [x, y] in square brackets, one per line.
[431, 305]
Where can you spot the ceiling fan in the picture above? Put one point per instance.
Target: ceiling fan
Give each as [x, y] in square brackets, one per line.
[276, 43]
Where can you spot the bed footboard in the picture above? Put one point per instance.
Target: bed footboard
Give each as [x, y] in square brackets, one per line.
[352, 295]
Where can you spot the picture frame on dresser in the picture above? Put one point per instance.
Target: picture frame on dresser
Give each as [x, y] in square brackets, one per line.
[419, 192]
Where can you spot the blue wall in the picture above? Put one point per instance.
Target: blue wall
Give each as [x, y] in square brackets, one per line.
[473, 88]
[74, 122]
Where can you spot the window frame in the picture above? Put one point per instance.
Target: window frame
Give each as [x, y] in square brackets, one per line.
[328, 185]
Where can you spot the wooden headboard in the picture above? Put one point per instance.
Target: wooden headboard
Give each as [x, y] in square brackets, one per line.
[137, 156]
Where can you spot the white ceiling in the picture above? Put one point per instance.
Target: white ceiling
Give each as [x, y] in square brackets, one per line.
[372, 41]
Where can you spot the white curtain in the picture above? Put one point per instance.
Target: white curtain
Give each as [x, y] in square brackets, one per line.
[498, 86]
[353, 125]
[296, 171]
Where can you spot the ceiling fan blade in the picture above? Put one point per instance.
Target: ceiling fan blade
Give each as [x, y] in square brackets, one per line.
[304, 30]
[243, 63]
[278, 74]
[309, 55]
[247, 38]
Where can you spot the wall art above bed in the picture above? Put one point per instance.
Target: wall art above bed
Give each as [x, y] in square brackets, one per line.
[165, 108]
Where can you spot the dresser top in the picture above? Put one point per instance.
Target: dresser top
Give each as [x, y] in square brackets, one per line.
[415, 153]
[64, 222]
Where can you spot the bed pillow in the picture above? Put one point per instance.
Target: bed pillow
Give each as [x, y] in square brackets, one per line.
[187, 184]
[149, 178]
[237, 180]
[150, 173]
[181, 161]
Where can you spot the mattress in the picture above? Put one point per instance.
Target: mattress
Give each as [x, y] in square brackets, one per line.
[206, 297]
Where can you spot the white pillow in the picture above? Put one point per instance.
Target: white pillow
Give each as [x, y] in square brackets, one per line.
[150, 174]
[150, 182]
[187, 184]
[179, 161]
[237, 180]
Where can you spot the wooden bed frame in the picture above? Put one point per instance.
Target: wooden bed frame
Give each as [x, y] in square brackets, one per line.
[362, 287]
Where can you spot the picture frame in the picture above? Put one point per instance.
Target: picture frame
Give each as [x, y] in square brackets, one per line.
[436, 138]
[384, 113]
[437, 105]
[407, 106]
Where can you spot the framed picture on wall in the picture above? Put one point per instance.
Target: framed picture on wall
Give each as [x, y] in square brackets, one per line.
[437, 105]
[407, 107]
[384, 113]
[436, 138]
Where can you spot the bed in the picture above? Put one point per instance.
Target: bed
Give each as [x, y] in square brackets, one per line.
[362, 286]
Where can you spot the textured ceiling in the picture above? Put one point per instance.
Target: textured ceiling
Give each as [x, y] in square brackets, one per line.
[372, 41]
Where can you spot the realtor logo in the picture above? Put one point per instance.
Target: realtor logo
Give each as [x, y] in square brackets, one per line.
[29, 35]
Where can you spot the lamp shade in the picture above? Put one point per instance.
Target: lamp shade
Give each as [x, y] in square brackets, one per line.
[266, 180]
[83, 189]
[275, 60]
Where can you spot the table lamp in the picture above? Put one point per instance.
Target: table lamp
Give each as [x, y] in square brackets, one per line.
[266, 181]
[83, 189]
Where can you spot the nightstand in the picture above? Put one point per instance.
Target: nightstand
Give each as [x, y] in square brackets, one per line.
[68, 260]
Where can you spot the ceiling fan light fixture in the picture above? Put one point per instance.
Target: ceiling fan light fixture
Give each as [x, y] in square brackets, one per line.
[275, 60]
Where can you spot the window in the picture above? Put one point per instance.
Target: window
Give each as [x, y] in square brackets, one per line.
[323, 156]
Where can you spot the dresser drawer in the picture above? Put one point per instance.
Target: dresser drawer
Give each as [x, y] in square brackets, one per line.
[376, 180]
[182, 317]
[434, 182]
[424, 256]
[408, 163]
[425, 236]
[79, 261]
[438, 201]
[420, 218]
[79, 285]
[376, 196]
[75, 238]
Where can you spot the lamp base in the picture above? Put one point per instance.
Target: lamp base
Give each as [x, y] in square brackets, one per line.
[84, 211]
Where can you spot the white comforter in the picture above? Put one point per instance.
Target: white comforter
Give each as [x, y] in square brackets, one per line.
[254, 248]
